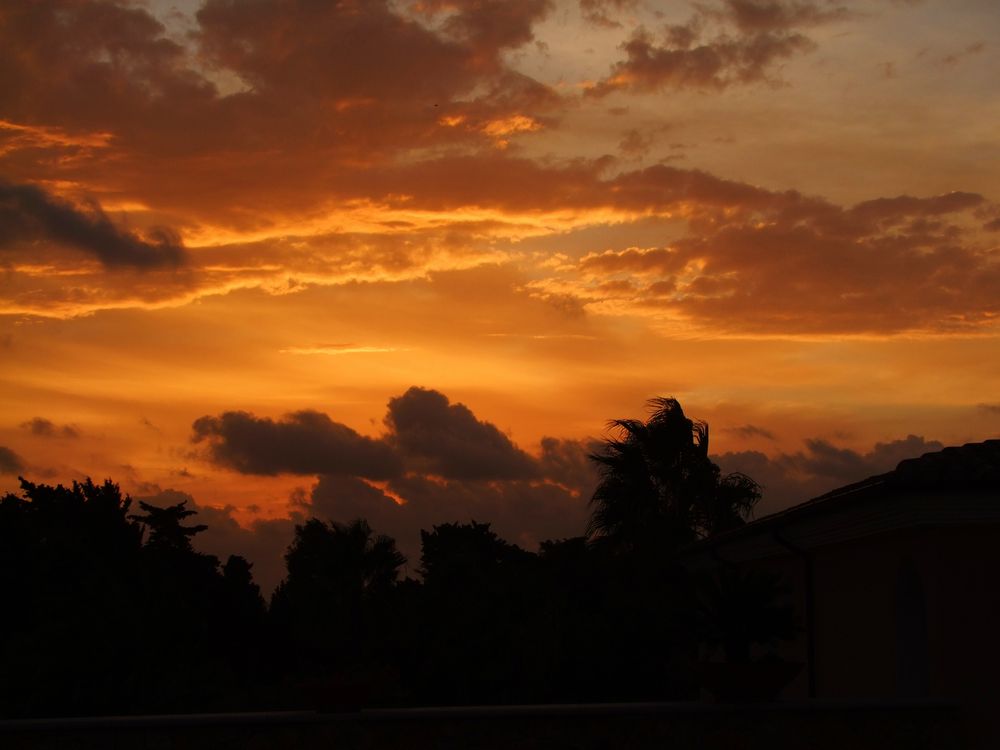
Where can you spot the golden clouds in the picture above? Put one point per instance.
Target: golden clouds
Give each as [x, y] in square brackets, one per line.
[739, 258]
[14, 137]
[364, 196]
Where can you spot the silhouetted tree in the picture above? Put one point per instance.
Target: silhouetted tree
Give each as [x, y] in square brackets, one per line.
[165, 529]
[69, 575]
[478, 632]
[334, 607]
[658, 488]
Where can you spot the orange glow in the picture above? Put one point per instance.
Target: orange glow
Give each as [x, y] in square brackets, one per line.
[541, 219]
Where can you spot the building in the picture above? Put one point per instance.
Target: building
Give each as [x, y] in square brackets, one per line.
[896, 581]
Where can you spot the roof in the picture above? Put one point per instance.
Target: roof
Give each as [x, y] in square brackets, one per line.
[970, 464]
[955, 485]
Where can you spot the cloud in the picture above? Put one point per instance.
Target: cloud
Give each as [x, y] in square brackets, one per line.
[490, 26]
[10, 462]
[659, 260]
[446, 439]
[445, 465]
[989, 408]
[749, 431]
[635, 145]
[521, 511]
[972, 49]
[28, 215]
[739, 42]
[304, 442]
[567, 462]
[41, 427]
[602, 12]
[426, 434]
[781, 15]
[362, 84]
[717, 64]
[784, 262]
[791, 478]
[743, 258]
[367, 151]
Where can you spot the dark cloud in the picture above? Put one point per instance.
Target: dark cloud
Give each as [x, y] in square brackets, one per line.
[791, 478]
[739, 42]
[749, 431]
[304, 442]
[446, 439]
[989, 408]
[426, 434]
[821, 458]
[28, 215]
[567, 462]
[447, 466]
[605, 13]
[525, 511]
[650, 66]
[41, 427]
[635, 145]
[521, 511]
[10, 462]
[781, 15]
[490, 25]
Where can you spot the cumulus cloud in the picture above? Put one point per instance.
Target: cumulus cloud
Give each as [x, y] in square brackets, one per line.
[426, 434]
[446, 439]
[41, 427]
[10, 462]
[304, 442]
[29, 215]
[821, 466]
[446, 466]
[523, 512]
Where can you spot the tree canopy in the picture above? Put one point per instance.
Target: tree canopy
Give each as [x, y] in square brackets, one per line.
[658, 487]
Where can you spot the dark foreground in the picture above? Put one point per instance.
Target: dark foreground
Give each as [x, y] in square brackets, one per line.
[636, 726]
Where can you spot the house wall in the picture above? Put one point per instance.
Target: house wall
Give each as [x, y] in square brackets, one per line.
[905, 614]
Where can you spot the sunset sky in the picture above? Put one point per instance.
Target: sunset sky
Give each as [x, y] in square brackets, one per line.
[405, 258]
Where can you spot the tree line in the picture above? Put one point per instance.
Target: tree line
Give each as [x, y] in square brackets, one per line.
[110, 609]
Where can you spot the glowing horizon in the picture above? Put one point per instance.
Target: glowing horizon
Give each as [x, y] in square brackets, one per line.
[544, 212]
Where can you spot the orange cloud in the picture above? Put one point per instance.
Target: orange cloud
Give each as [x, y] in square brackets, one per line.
[737, 42]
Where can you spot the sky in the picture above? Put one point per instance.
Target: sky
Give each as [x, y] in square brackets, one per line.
[404, 259]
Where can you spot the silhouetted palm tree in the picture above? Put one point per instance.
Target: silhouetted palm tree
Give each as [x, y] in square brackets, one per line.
[658, 487]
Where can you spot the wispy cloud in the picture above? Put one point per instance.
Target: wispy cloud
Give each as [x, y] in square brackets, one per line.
[338, 349]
